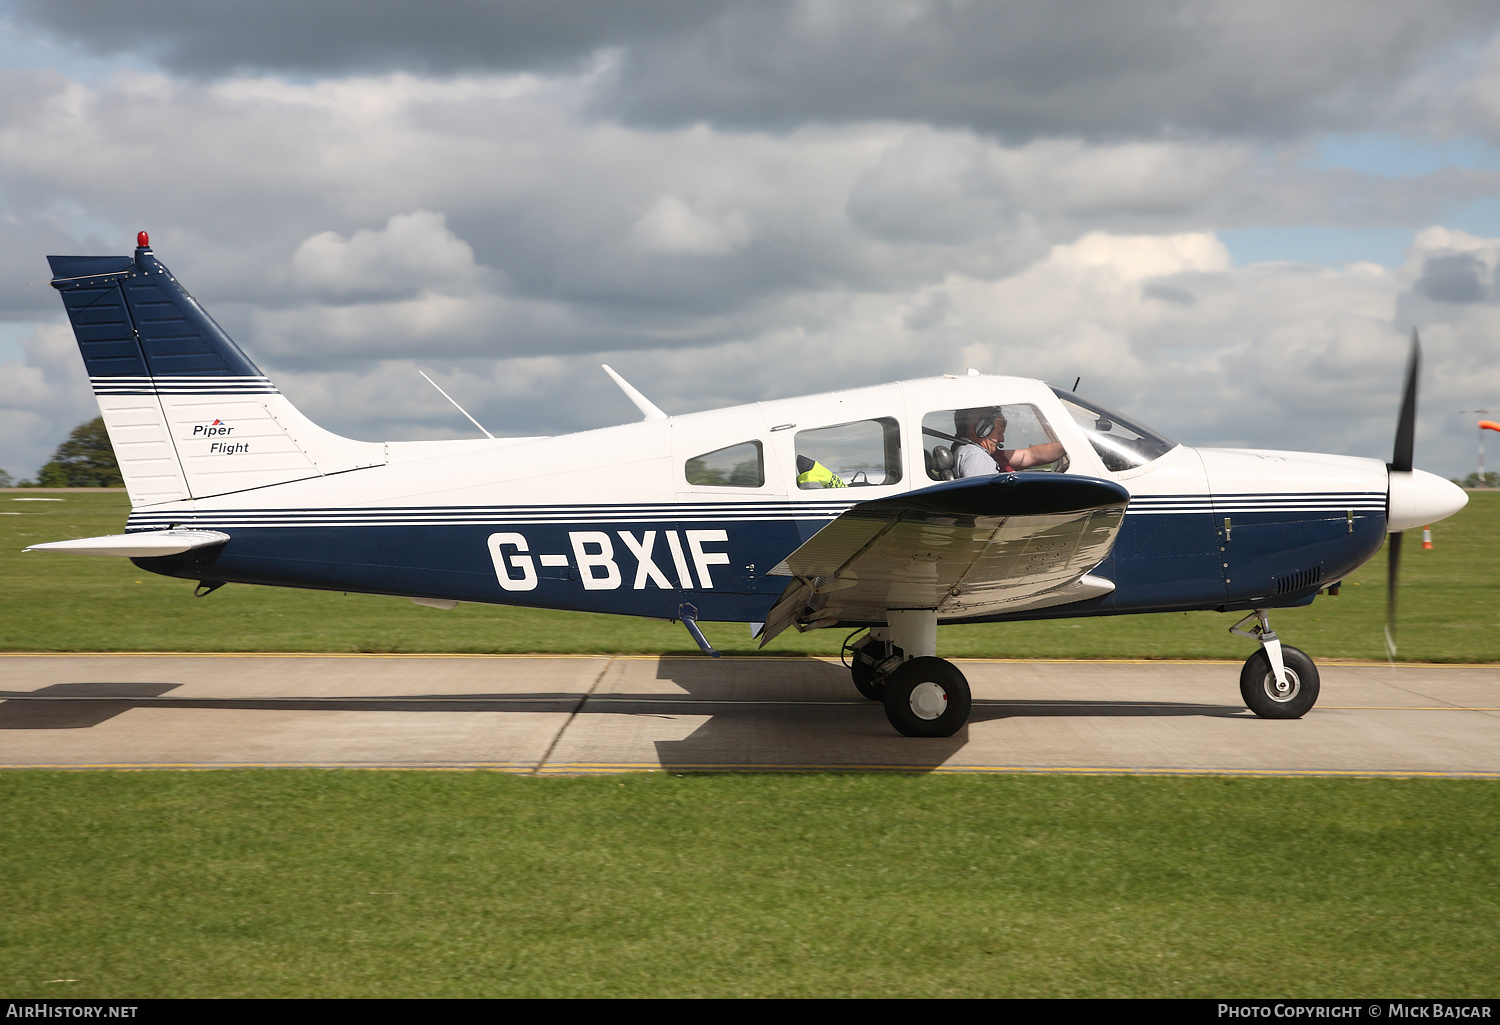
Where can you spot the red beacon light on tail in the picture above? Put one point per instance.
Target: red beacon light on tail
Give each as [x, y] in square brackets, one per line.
[142, 240]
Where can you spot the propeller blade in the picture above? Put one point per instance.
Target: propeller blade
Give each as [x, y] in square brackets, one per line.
[1406, 423]
[1392, 575]
[1401, 462]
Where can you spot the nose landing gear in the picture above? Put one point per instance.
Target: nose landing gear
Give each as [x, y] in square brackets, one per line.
[1278, 681]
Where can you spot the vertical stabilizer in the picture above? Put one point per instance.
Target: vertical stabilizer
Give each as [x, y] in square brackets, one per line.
[188, 414]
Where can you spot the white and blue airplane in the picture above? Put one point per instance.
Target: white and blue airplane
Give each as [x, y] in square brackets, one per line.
[956, 499]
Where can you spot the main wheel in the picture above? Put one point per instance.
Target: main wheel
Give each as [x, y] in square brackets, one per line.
[927, 697]
[864, 657]
[1269, 700]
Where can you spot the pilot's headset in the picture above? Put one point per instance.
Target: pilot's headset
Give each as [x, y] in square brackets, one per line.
[983, 420]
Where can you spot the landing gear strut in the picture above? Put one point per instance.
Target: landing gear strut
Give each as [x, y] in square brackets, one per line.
[1279, 681]
[897, 665]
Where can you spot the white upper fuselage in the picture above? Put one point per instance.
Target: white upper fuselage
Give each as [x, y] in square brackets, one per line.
[643, 463]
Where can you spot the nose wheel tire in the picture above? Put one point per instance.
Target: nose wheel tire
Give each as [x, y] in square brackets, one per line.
[927, 697]
[1270, 700]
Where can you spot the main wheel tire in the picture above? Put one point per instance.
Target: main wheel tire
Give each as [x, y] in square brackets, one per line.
[927, 697]
[1262, 695]
[864, 657]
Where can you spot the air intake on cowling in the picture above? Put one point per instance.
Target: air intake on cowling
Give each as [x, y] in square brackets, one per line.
[1299, 581]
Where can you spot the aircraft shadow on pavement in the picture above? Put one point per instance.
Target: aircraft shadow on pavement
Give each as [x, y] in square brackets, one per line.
[792, 714]
[74, 706]
[786, 714]
[68, 706]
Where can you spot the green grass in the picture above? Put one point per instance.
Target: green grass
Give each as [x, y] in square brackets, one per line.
[387, 884]
[54, 602]
[343, 884]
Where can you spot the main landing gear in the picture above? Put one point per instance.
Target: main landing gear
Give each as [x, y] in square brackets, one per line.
[1278, 681]
[926, 696]
[897, 665]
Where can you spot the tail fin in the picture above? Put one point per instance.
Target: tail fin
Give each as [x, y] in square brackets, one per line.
[188, 414]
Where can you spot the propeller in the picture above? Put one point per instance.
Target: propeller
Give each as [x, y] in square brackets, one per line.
[1401, 460]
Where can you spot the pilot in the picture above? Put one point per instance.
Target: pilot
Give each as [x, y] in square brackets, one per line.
[813, 474]
[980, 448]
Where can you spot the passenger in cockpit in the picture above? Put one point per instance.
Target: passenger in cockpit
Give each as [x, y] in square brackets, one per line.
[813, 474]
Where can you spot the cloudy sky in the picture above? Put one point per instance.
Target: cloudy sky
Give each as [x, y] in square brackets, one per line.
[1225, 217]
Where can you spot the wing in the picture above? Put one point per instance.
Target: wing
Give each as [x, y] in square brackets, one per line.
[965, 548]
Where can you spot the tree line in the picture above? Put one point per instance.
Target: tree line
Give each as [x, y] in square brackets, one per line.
[85, 460]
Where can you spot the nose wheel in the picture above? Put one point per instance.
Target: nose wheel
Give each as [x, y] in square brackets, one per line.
[1278, 681]
[1290, 698]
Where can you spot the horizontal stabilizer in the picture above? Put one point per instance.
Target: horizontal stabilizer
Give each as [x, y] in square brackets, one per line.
[143, 544]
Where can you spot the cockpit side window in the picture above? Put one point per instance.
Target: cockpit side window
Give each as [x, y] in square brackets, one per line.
[1121, 443]
[737, 466]
[864, 453]
[1021, 426]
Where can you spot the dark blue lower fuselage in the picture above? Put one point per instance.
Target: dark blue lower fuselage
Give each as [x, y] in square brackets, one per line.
[1160, 561]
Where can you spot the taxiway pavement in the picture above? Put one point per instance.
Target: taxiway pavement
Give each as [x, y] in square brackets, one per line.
[590, 714]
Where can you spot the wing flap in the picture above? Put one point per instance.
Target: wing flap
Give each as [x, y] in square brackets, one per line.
[963, 548]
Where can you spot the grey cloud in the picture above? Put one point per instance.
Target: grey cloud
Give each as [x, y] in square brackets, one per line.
[1021, 68]
[933, 187]
[928, 311]
[1027, 69]
[41, 398]
[1455, 278]
[340, 37]
[1169, 293]
[709, 266]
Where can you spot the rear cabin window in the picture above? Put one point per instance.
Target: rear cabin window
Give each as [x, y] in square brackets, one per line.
[1023, 428]
[737, 466]
[864, 453]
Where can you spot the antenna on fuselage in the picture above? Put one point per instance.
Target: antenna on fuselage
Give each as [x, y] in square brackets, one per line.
[649, 409]
[456, 406]
[1076, 381]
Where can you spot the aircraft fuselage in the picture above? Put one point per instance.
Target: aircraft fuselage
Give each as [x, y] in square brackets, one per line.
[609, 521]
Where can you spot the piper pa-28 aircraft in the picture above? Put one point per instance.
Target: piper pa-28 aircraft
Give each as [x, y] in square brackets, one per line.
[855, 509]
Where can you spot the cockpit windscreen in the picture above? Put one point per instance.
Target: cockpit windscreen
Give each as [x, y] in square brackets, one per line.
[1122, 443]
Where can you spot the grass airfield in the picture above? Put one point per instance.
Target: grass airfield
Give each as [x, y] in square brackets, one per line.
[382, 884]
[336, 883]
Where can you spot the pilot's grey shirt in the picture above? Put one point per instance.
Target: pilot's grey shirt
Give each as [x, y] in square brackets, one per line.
[969, 460]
